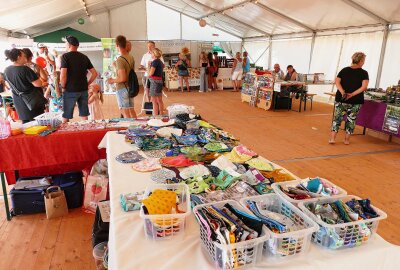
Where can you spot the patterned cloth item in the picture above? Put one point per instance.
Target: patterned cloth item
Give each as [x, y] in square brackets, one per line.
[185, 140]
[197, 187]
[192, 124]
[147, 165]
[173, 152]
[156, 153]
[260, 164]
[236, 157]
[129, 157]
[192, 131]
[252, 177]
[222, 163]
[184, 117]
[139, 132]
[160, 202]
[166, 132]
[213, 170]
[205, 124]
[194, 172]
[192, 150]
[145, 143]
[161, 176]
[178, 161]
[224, 180]
[216, 147]
[243, 150]
[160, 122]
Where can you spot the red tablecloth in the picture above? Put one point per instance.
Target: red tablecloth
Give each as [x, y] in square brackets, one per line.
[59, 152]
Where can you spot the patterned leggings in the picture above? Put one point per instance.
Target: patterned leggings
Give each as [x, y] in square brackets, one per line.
[341, 109]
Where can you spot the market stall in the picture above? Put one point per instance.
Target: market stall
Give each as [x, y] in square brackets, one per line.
[130, 229]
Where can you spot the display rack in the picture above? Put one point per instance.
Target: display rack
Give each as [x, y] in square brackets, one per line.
[258, 90]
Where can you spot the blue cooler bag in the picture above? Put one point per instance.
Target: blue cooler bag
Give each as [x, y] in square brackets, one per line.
[31, 201]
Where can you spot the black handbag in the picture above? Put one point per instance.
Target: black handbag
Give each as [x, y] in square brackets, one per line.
[148, 107]
[33, 100]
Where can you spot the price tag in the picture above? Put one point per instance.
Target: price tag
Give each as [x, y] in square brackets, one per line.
[277, 87]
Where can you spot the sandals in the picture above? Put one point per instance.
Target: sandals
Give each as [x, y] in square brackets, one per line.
[331, 141]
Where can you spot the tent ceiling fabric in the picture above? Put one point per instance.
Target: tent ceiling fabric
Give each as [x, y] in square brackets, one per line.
[246, 19]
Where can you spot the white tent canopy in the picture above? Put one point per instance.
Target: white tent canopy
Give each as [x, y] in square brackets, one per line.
[314, 36]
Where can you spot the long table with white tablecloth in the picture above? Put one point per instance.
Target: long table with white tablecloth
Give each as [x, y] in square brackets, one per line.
[130, 250]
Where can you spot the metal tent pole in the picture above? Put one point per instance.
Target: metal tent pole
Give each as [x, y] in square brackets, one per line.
[270, 54]
[311, 51]
[382, 56]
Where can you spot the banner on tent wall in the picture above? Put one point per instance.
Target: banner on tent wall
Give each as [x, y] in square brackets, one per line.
[173, 46]
[83, 46]
[391, 122]
[20, 43]
[110, 54]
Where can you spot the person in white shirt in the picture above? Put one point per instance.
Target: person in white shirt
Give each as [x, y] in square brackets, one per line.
[51, 64]
[278, 73]
[145, 64]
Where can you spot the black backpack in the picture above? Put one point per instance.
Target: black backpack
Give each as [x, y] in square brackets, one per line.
[133, 83]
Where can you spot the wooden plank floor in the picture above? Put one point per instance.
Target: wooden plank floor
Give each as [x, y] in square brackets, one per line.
[368, 167]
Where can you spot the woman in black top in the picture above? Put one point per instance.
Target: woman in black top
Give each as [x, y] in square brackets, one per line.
[351, 83]
[25, 80]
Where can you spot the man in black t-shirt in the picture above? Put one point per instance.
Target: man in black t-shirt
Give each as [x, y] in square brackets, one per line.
[73, 79]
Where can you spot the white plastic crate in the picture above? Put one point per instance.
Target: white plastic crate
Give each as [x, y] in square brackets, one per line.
[290, 243]
[53, 119]
[159, 227]
[294, 183]
[242, 255]
[345, 235]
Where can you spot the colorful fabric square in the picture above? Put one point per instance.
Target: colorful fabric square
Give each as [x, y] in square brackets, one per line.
[194, 172]
[222, 163]
[139, 132]
[159, 153]
[213, 170]
[252, 177]
[160, 202]
[192, 124]
[278, 175]
[166, 132]
[174, 151]
[263, 188]
[160, 122]
[216, 147]
[161, 176]
[260, 164]
[145, 143]
[147, 165]
[129, 157]
[206, 135]
[197, 187]
[224, 180]
[205, 124]
[131, 201]
[243, 150]
[236, 157]
[192, 150]
[185, 140]
[178, 161]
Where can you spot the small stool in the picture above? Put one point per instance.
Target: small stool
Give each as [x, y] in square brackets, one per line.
[309, 97]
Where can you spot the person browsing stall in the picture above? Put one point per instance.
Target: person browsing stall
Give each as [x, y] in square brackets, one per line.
[124, 64]
[73, 80]
[156, 83]
[246, 63]
[183, 72]
[351, 82]
[145, 63]
[22, 80]
[237, 72]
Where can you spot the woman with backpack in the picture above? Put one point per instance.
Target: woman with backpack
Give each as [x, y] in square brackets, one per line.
[124, 64]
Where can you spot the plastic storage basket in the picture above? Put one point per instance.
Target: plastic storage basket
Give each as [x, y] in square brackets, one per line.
[158, 227]
[277, 190]
[290, 243]
[242, 255]
[52, 119]
[345, 235]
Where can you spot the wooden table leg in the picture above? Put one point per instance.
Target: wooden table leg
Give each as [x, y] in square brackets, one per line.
[5, 195]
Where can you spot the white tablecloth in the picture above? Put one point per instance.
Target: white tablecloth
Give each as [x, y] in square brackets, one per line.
[130, 250]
